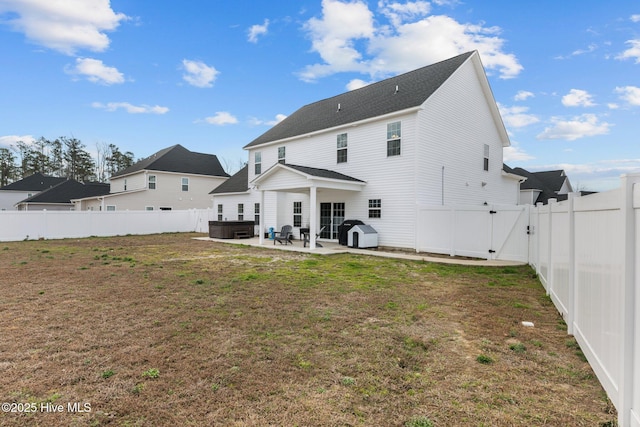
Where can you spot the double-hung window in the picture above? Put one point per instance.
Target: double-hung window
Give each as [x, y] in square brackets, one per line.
[256, 213]
[282, 154]
[240, 212]
[394, 133]
[257, 162]
[297, 214]
[375, 208]
[219, 212]
[185, 184]
[152, 182]
[342, 148]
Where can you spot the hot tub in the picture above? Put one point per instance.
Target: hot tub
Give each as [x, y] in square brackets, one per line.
[231, 229]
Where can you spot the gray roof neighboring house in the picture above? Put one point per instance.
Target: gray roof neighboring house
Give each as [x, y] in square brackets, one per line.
[67, 190]
[394, 94]
[34, 183]
[177, 159]
[238, 183]
[549, 183]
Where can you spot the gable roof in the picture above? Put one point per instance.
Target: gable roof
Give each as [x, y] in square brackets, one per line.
[376, 99]
[549, 183]
[322, 173]
[238, 183]
[67, 190]
[35, 182]
[180, 160]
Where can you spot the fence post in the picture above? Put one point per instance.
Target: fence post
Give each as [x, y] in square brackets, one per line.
[571, 306]
[628, 301]
[550, 202]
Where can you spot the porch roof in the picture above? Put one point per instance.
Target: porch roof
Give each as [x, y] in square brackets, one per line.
[296, 178]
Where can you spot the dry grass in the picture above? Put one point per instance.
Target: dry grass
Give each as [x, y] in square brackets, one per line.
[166, 330]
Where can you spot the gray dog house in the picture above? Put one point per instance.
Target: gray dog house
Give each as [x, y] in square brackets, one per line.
[362, 236]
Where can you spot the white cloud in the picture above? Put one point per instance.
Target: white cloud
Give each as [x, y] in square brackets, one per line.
[635, 18]
[576, 128]
[630, 94]
[64, 25]
[130, 108]
[221, 118]
[523, 95]
[95, 71]
[348, 37]
[258, 30]
[578, 98]
[199, 74]
[515, 154]
[257, 122]
[517, 117]
[633, 52]
[357, 84]
[10, 140]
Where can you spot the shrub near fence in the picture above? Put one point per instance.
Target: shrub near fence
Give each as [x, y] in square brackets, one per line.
[16, 225]
[586, 251]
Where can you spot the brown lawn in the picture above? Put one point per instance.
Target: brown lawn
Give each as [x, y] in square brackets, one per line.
[165, 330]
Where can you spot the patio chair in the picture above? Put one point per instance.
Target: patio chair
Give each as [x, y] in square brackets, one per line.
[285, 234]
[306, 238]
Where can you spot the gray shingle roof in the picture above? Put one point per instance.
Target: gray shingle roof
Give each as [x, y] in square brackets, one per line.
[548, 182]
[323, 173]
[67, 190]
[35, 182]
[373, 100]
[178, 159]
[238, 183]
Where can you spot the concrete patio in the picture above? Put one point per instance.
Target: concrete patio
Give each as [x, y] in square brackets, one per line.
[329, 248]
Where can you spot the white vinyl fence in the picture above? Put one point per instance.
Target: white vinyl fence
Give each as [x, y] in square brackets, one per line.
[33, 225]
[490, 232]
[586, 251]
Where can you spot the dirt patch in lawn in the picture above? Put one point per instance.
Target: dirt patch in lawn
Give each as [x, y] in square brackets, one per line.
[167, 330]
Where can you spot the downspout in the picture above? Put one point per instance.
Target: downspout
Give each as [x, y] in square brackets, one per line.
[442, 179]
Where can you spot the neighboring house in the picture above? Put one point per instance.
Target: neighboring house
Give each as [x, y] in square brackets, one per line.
[58, 197]
[172, 178]
[432, 136]
[13, 193]
[539, 187]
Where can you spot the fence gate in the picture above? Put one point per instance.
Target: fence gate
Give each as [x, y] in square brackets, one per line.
[509, 234]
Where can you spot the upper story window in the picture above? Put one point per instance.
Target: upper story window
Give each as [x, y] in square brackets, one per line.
[257, 157]
[394, 134]
[342, 148]
[152, 182]
[185, 184]
[281, 154]
[486, 157]
[125, 184]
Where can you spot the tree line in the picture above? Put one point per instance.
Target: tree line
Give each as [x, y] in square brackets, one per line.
[63, 157]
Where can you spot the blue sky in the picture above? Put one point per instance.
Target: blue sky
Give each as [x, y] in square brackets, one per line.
[213, 75]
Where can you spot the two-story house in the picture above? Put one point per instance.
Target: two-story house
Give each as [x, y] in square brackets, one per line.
[27, 187]
[172, 178]
[432, 136]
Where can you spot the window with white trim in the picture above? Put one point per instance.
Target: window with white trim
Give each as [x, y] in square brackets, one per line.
[257, 160]
[256, 213]
[148, 208]
[185, 184]
[486, 157]
[342, 148]
[394, 134]
[375, 208]
[125, 184]
[240, 212]
[111, 208]
[219, 212]
[297, 214]
[282, 154]
[152, 182]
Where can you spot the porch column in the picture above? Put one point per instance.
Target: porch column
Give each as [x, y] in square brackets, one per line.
[313, 216]
[261, 215]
